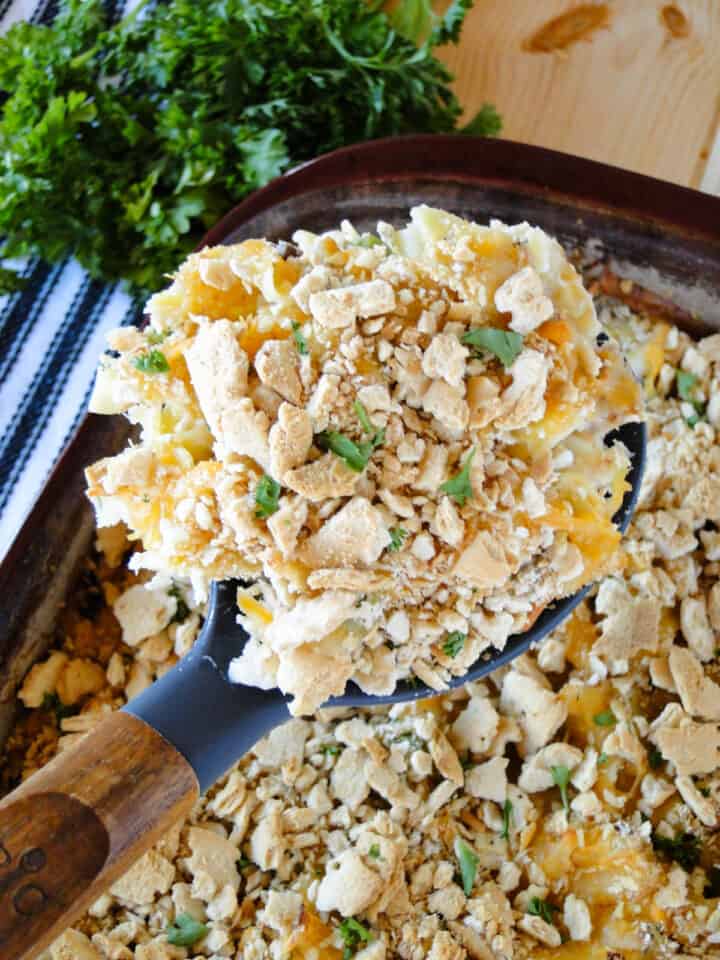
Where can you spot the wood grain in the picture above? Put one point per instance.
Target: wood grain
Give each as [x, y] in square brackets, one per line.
[631, 94]
[79, 823]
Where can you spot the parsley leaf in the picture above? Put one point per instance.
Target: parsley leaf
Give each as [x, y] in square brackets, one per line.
[123, 143]
[267, 497]
[561, 779]
[154, 336]
[377, 434]
[330, 749]
[454, 642]
[374, 851]
[182, 610]
[414, 19]
[459, 486]
[655, 758]
[602, 759]
[504, 344]
[487, 122]
[541, 908]
[468, 861]
[507, 815]
[368, 240]
[355, 455]
[397, 537]
[606, 718]
[186, 931]
[353, 933]
[683, 848]
[686, 383]
[299, 338]
[153, 362]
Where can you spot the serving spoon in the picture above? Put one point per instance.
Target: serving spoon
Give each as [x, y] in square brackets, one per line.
[80, 822]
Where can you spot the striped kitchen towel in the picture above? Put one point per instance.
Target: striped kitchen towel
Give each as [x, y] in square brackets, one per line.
[51, 335]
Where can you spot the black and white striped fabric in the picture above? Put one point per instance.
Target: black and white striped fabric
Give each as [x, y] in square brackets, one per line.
[51, 335]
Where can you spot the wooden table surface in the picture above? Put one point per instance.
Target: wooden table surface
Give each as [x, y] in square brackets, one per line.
[631, 82]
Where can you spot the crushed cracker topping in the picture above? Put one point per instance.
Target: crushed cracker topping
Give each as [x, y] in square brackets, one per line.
[363, 430]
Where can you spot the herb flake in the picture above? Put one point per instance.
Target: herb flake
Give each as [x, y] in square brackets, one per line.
[353, 934]
[267, 497]
[454, 642]
[503, 344]
[299, 338]
[459, 487]
[154, 361]
[507, 816]
[186, 931]
[561, 779]
[182, 610]
[686, 384]
[468, 861]
[356, 455]
[397, 538]
[541, 908]
[606, 718]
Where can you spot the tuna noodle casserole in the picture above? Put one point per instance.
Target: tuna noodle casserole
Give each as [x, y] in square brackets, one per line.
[398, 436]
[567, 808]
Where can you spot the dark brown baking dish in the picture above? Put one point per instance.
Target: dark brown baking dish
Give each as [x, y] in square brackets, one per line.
[663, 236]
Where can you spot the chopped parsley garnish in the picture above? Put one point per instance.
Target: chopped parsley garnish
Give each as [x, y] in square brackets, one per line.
[686, 385]
[468, 861]
[655, 758]
[267, 497]
[376, 434]
[243, 863]
[186, 931]
[397, 537]
[353, 933]
[414, 741]
[155, 336]
[459, 486]
[299, 338]
[541, 908]
[561, 779]
[182, 610]
[154, 361]
[503, 344]
[507, 815]
[454, 643]
[355, 455]
[369, 240]
[602, 759]
[683, 848]
[53, 704]
[606, 718]
[374, 851]
[150, 128]
[330, 749]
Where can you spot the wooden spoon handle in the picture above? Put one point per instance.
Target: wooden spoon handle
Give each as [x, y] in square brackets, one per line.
[76, 825]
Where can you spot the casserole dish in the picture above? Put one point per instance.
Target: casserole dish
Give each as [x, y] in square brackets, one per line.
[675, 254]
[656, 233]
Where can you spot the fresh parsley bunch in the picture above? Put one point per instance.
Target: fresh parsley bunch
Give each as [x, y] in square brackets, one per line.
[122, 144]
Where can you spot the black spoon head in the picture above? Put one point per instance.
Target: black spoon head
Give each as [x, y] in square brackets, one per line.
[228, 638]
